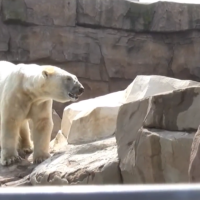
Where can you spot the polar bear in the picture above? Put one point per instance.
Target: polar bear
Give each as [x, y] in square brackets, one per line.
[26, 93]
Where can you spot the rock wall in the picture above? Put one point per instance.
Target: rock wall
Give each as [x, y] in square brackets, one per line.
[105, 43]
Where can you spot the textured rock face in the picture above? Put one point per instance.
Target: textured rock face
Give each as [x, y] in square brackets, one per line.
[150, 156]
[193, 171]
[105, 43]
[92, 119]
[176, 111]
[45, 13]
[146, 86]
[138, 16]
[81, 164]
[162, 156]
[72, 164]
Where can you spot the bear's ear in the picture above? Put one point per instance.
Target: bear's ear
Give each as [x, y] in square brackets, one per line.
[48, 71]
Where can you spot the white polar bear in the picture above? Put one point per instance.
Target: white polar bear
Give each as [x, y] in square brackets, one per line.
[26, 93]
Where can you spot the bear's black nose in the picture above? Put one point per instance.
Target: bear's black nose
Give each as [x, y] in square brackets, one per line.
[81, 90]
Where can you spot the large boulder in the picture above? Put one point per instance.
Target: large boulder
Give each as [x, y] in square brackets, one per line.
[176, 110]
[129, 121]
[92, 119]
[95, 119]
[146, 86]
[160, 157]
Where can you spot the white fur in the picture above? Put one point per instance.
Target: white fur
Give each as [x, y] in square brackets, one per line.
[26, 92]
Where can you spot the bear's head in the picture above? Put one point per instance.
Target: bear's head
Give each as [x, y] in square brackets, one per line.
[61, 85]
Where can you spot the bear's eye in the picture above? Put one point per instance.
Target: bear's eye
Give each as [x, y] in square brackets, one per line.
[69, 78]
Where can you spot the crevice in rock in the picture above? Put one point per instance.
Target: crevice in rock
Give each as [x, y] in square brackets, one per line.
[170, 71]
[52, 175]
[99, 27]
[104, 70]
[78, 175]
[77, 6]
[120, 173]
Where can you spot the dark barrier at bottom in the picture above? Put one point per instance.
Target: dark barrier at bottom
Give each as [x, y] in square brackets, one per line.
[120, 192]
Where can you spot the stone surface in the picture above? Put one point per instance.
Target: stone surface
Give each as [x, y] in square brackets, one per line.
[59, 13]
[13, 10]
[92, 119]
[80, 164]
[129, 15]
[16, 173]
[150, 156]
[146, 86]
[176, 110]
[160, 157]
[165, 114]
[193, 171]
[104, 13]
[96, 60]
[4, 38]
[69, 164]
[129, 121]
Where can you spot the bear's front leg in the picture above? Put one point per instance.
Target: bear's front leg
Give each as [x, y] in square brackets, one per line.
[14, 109]
[42, 129]
[41, 139]
[25, 145]
[9, 141]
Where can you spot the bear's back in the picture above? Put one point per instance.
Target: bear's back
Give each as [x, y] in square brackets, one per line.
[6, 68]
